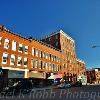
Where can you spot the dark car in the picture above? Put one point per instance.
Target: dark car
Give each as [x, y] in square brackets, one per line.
[77, 84]
[22, 87]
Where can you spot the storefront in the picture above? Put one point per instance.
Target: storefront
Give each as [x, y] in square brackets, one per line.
[83, 79]
[16, 74]
[3, 78]
[36, 74]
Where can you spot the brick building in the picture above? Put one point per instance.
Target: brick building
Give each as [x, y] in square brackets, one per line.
[66, 44]
[81, 72]
[21, 57]
[93, 75]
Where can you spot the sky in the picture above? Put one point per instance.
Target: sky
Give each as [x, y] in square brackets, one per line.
[78, 18]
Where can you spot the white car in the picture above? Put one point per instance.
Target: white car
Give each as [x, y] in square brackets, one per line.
[64, 85]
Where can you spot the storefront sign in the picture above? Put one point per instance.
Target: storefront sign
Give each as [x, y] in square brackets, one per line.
[16, 74]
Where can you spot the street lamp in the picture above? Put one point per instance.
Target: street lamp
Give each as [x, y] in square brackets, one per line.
[95, 46]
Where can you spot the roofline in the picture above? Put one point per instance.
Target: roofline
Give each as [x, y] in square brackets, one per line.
[60, 31]
[3, 28]
[79, 60]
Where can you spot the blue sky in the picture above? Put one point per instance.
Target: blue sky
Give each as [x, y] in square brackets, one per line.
[79, 18]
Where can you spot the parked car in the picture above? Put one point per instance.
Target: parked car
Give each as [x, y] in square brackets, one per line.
[64, 85]
[77, 84]
[56, 81]
[23, 87]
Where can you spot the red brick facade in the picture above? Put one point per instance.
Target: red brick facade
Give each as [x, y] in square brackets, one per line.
[56, 55]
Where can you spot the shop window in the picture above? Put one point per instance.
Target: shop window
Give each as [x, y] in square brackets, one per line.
[32, 63]
[13, 45]
[25, 62]
[33, 51]
[36, 64]
[0, 41]
[12, 59]
[20, 48]
[4, 58]
[6, 44]
[26, 49]
[36, 52]
[19, 61]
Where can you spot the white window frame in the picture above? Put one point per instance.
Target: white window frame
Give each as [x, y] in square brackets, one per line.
[26, 49]
[6, 56]
[33, 51]
[13, 45]
[25, 60]
[19, 58]
[6, 43]
[12, 57]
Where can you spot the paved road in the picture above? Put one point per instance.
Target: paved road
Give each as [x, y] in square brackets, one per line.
[75, 93]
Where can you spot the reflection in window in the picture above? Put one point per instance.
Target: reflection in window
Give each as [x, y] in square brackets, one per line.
[12, 59]
[40, 64]
[13, 45]
[19, 61]
[36, 52]
[36, 64]
[6, 44]
[20, 48]
[32, 63]
[4, 58]
[26, 49]
[25, 62]
[41, 54]
[33, 51]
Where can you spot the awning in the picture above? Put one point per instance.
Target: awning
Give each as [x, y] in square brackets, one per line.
[55, 76]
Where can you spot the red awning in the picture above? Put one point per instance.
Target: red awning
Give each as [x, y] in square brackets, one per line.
[58, 76]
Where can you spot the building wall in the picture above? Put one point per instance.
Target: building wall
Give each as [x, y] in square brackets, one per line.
[26, 52]
[56, 55]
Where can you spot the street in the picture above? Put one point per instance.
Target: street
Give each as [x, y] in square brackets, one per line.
[74, 93]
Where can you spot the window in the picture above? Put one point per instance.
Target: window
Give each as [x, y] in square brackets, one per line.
[40, 64]
[32, 63]
[36, 64]
[6, 44]
[19, 61]
[33, 51]
[26, 49]
[0, 41]
[46, 55]
[56, 43]
[45, 65]
[56, 36]
[49, 39]
[4, 58]
[53, 67]
[20, 48]
[49, 66]
[12, 59]
[36, 52]
[13, 45]
[50, 57]
[41, 54]
[25, 62]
